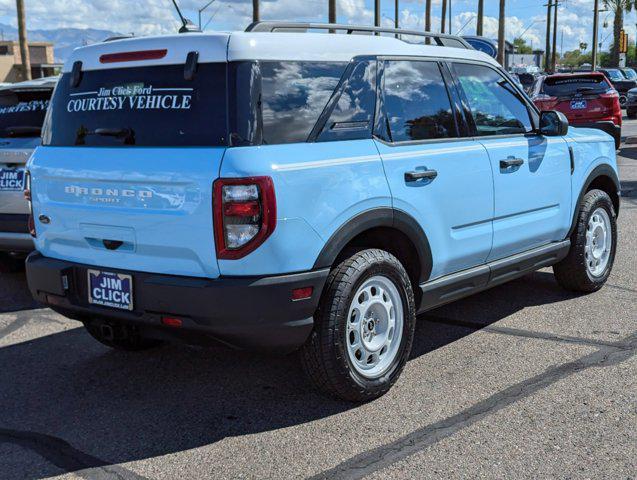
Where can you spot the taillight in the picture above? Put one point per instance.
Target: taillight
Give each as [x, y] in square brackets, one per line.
[244, 215]
[613, 96]
[28, 198]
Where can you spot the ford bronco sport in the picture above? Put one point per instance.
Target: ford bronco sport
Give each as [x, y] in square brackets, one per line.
[313, 191]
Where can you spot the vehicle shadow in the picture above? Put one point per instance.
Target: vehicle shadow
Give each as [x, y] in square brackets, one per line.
[81, 405]
[14, 294]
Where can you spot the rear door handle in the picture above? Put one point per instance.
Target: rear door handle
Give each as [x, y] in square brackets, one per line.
[420, 174]
[511, 162]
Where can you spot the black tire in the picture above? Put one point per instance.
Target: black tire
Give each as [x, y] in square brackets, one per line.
[572, 273]
[10, 263]
[324, 356]
[632, 114]
[120, 337]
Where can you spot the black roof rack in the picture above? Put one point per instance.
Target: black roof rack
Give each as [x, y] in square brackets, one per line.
[440, 39]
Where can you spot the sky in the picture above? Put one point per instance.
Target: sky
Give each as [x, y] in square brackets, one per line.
[144, 17]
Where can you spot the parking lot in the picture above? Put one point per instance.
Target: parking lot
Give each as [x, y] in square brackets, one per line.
[522, 381]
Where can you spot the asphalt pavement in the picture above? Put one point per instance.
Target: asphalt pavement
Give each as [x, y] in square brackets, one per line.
[521, 381]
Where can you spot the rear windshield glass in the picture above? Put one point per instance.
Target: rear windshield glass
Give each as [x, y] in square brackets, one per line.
[614, 75]
[22, 112]
[141, 106]
[566, 86]
[630, 74]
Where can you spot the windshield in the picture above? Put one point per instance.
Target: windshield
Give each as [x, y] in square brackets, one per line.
[22, 112]
[140, 106]
[630, 74]
[615, 75]
[572, 85]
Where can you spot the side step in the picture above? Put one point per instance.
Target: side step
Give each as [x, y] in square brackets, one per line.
[467, 282]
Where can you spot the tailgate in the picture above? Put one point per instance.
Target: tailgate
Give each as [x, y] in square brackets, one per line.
[145, 209]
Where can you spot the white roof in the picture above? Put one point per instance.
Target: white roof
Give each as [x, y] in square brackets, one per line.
[44, 82]
[221, 47]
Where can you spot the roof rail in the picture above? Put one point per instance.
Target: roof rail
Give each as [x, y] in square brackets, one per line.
[440, 39]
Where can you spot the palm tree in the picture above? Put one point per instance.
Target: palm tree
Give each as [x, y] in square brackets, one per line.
[501, 33]
[618, 7]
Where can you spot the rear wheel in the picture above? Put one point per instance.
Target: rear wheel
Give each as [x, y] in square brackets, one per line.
[632, 114]
[120, 337]
[593, 243]
[10, 263]
[364, 328]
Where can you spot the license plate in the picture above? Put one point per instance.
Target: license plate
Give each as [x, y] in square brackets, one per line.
[109, 289]
[11, 180]
[578, 104]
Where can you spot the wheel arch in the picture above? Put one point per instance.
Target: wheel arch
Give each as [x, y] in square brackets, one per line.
[603, 177]
[387, 228]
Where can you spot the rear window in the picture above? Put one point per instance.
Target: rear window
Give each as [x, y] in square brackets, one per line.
[22, 112]
[141, 106]
[568, 86]
[614, 75]
[630, 74]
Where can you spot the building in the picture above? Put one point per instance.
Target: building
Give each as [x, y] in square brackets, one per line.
[42, 61]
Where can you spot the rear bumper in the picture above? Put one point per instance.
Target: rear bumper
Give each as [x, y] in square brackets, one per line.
[16, 242]
[605, 126]
[244, 312]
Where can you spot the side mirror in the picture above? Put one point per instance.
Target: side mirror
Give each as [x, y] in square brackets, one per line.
[553, 123]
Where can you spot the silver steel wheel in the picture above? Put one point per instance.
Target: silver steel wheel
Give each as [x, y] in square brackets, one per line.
[374, 327]
[599, 242]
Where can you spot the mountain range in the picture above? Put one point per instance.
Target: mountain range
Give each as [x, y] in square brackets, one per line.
[64, 39]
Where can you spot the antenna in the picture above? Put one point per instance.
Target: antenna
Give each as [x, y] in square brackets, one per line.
[186, 25]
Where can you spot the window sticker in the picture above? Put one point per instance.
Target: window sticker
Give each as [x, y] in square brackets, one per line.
[32, 106]
[135, 96]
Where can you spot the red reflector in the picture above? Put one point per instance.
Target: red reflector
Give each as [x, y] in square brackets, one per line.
[31, 226]
[247, 209]
[302, 293]
[133, 56]
[171, 321]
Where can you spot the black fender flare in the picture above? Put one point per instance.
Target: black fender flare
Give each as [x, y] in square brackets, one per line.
[373, 218]
[599, 171]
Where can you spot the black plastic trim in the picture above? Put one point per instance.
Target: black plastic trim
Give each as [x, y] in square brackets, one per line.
[373, 218]
[14, 222]
[599, 171]
[467, 282]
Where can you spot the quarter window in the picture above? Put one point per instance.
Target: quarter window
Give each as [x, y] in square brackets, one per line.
[417, 104]
[494, 102]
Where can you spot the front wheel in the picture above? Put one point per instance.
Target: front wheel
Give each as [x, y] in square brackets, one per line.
[593, 243]
[364, 328]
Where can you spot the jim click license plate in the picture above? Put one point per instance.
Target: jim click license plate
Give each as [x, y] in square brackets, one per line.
[11, 180]
[578, 104]
[110, 289]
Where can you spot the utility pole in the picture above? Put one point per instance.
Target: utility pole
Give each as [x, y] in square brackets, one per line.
[554, 50]
[449, 17]
[22, 35]
[396, 13]
[501, 46]
[480, 18]
[547, 57]
[255, 10]
[443, 16]
[377, 13]
[428, 16]
[595, 35]
[331, 11]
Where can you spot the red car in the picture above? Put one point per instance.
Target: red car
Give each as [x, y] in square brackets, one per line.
[587, 99]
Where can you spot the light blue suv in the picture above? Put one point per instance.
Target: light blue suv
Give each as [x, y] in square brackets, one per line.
[292, 190]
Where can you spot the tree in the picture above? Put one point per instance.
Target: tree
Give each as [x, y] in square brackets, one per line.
[521, 46]
[618, 7]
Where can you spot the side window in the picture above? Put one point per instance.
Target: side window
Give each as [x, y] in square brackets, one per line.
[293, 96]
[416, 101]
[494, 103]
[353, 114]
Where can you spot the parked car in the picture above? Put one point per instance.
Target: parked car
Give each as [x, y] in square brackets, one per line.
[22, 109]
[629, 73]
[587, 100]
[631, 103]
[244, 187]
[619, 82]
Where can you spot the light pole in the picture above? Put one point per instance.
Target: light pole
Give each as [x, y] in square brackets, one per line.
[202, 9]
[596, 12]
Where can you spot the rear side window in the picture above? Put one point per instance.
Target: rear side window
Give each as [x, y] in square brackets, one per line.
[569, 86]
[293, 96]
[22, 112]
[496, 106]
[416, 101]
[140, 106]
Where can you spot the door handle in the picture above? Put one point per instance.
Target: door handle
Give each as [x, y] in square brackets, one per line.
[511, 162]
[420, 174]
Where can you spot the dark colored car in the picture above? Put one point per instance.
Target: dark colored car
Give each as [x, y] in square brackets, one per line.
[629, 73]
[587, 100]
[619, 82]
[631, 103]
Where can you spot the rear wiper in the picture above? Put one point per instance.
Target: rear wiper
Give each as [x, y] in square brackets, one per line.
[585, 89]
[22, 131]
[126, 134]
